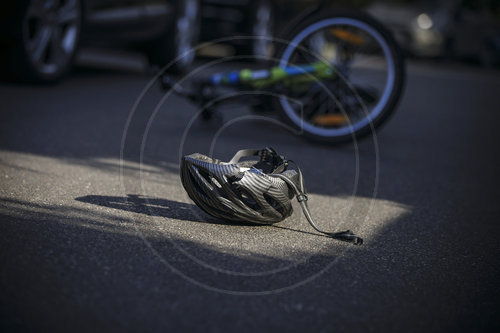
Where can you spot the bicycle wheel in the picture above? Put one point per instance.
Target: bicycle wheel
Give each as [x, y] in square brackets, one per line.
[366, 85]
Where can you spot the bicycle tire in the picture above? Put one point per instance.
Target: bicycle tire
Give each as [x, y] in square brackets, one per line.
[392, 93]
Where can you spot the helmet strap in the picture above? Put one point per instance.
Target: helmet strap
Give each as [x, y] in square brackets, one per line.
[273, 164]
[346, 236]
[270, 161]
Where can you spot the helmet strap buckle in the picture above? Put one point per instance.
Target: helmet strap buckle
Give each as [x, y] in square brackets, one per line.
[301, 197]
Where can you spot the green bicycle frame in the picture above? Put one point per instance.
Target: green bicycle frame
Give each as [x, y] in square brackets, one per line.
[290, 76]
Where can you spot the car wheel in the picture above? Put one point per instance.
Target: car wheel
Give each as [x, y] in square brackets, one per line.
[47, 36]
[180, 38]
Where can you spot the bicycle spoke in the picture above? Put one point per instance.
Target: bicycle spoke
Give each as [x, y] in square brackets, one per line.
[316, 105]
[368, 76]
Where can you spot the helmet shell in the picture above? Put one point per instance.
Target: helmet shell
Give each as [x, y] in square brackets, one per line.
[237, 191]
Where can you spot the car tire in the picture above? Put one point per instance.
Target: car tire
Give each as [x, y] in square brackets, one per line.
[46, 36]
[175, 47]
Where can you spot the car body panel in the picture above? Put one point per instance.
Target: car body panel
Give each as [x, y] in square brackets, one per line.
[122, 21]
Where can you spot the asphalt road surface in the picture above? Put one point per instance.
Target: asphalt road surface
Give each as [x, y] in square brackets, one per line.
[93, 242]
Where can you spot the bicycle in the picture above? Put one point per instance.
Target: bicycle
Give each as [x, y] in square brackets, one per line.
[338, 77]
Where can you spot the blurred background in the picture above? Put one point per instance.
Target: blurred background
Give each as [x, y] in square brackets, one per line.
[42, 40]
[97, 234]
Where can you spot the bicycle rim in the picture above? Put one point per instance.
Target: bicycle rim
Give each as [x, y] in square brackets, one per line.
[352, 73]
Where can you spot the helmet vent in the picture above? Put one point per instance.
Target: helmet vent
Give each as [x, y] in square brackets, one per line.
[215, 182]
[274, 203]
[210, 179]
[248, 199]
[195, 183]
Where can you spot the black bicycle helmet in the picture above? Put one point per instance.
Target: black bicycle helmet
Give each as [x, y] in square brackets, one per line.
[257, 191]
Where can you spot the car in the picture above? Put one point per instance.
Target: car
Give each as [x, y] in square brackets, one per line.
[458, 29]
[240, 23]
[41, 37]
[233, 20]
